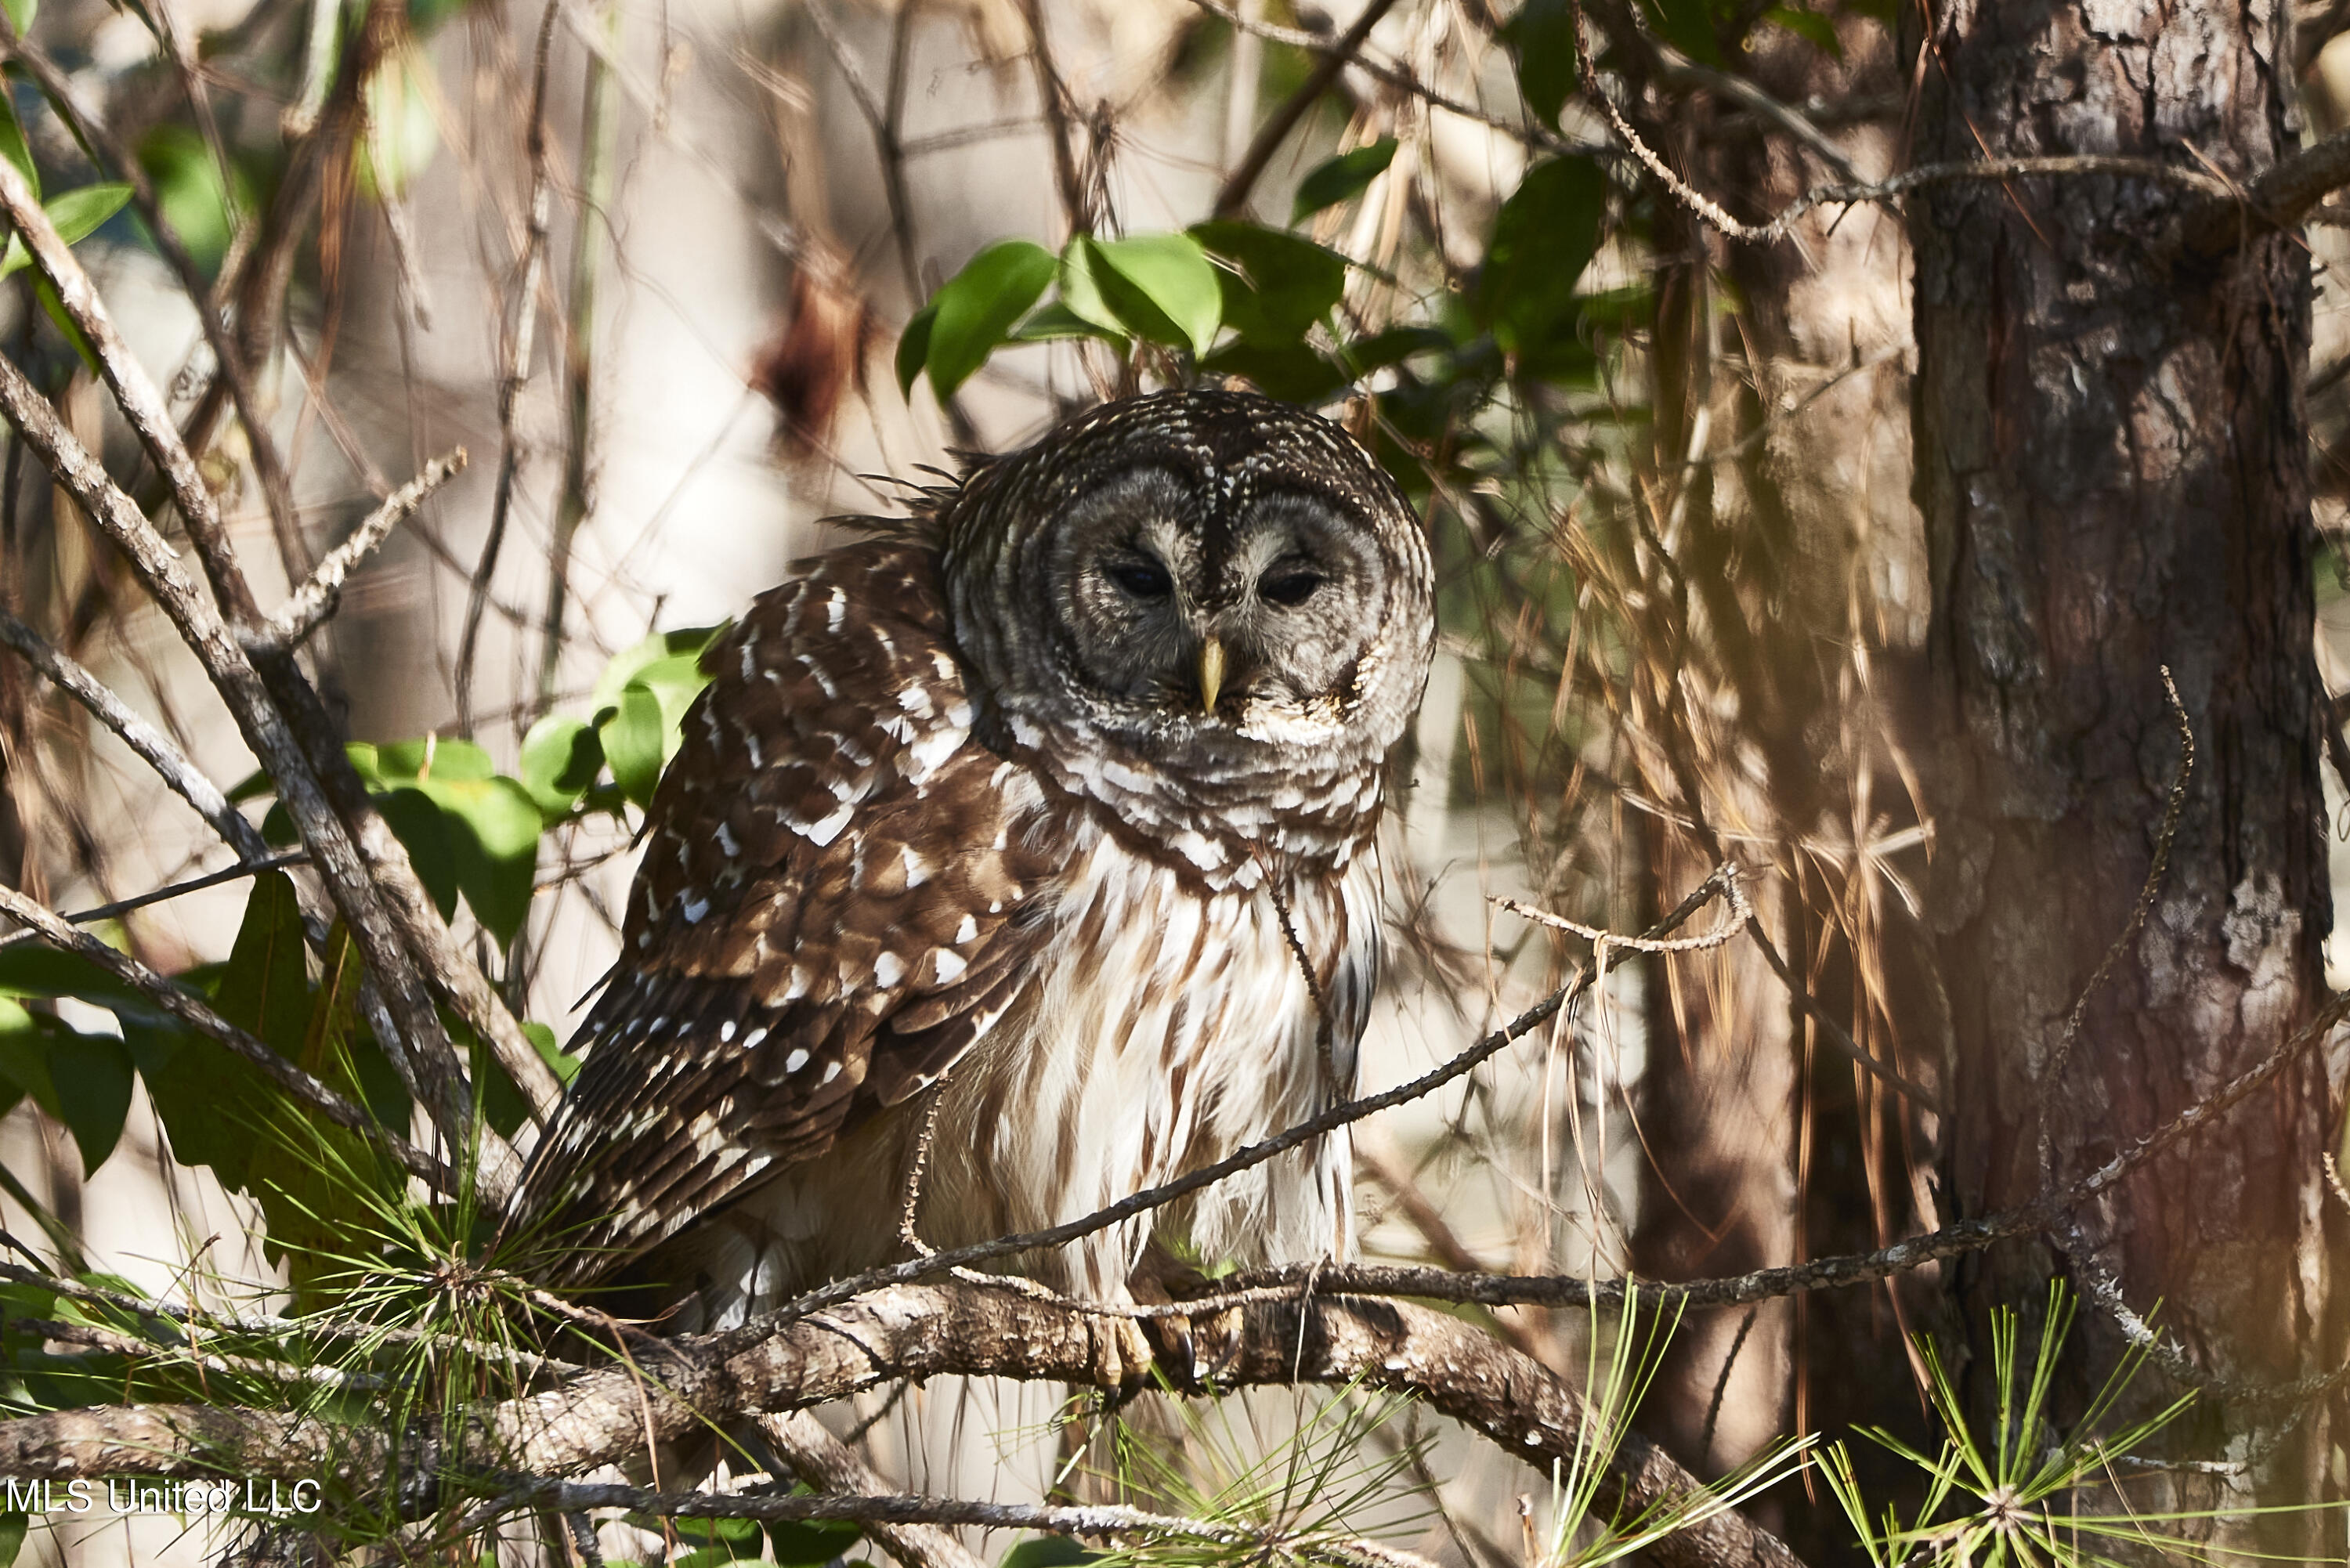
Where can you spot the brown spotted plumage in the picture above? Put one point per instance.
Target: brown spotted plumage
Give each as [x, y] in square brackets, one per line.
[1015, 804]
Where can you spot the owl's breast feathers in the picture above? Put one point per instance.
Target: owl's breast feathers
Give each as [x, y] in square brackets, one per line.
[842, 892]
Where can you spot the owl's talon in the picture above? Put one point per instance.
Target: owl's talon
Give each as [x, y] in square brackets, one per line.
[1123, 1357]
[1171, 1336]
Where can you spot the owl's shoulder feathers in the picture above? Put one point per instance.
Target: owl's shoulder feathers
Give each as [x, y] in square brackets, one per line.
[837, 900]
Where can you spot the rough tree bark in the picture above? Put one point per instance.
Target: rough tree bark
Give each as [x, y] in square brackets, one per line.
[2111, 461]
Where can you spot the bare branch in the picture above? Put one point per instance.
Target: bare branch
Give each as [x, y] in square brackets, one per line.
[351, 878]
[149, 744]
[518, 349]
[905, 1331]
[317, 598]
[1678, 68]
[1764, 1284]
[826, 1463]
[269, 466]
[889, 1513]
[192, 1011]
[1532, 134]
[237, 872]
[1233, 197]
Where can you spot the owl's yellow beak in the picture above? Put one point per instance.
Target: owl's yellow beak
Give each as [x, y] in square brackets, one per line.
[1211, 673]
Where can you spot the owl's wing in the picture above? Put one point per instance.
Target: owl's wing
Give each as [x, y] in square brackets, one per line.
[837, 900]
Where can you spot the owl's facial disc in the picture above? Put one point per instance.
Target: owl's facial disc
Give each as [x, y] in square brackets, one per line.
[1251, 622]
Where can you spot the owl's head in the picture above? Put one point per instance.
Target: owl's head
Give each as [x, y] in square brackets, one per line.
[1188, 600]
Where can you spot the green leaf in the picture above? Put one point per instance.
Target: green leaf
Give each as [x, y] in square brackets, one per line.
[1081, 295]
[403, 762]
[92, 1074]
[416, 820]
[20, 17]
[12, 1525]
[1809, 25]
[502, 1105]
[675, 681]
[47, 972]
[1544, 236]
[1048, 1552]
[321, 1188]
[1056, 320]
[1290, 372]
[364, 759]
[1688, 26]
[641, 699]
[197, 201]
[976, 307]
[914, 348]
[1284, 286]
[24, 1057]
[1393, 347]
[690, 640]
[495, 825]
[810, 1543]
[561, 1062]
[633, 734]
[560, 759]
[1342, 179]
[1163, 286]
[1541, 38]
[54, 309]
[265, 988]
[12, 144]
[213, 1103]
[77, 214]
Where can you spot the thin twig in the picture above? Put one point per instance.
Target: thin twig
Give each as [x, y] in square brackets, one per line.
[149, 744]
[1529, 132]
[521, 345]
[2051, 1081]
[277, 485]
[1678, 68]
[827, 1464]
[192, 1011]
[114, 1343]
[1859, 1268]
[319, 596]
[1112, 1520]
[235, 873]
[1233, 198]
[355, 880]
[1054, 94]
[577, 500]
[1255, 1153]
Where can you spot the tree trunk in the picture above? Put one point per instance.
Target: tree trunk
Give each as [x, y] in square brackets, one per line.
[2112, 464]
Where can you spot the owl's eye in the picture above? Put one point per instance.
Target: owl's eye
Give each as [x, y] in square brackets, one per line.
[1145, 579]
[1288, 586]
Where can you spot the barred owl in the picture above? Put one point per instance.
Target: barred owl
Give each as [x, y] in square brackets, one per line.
[1022, 805]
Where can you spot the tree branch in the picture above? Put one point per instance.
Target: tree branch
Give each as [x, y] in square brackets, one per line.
[350, 879]
[242, 869]
[1233, 197]
[317, 598]
[908, 1332]
[826, 1463]
[888, 1513]
[149, 744]
[192, 1011]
